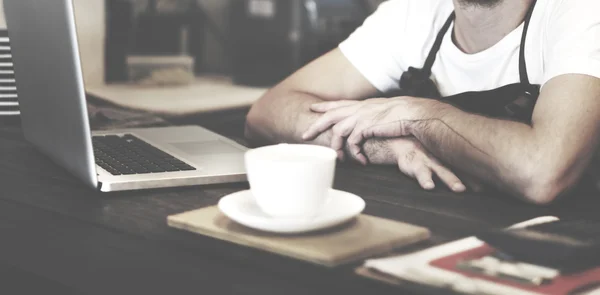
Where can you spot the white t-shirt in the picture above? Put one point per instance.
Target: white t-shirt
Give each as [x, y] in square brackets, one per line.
[563, 38]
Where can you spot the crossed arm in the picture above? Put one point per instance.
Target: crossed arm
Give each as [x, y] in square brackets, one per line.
[283, 114]
[537, 162]
[540, 161]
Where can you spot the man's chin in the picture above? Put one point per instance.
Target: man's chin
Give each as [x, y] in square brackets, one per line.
[481, 3]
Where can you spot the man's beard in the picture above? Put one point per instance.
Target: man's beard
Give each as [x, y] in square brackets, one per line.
[481, 3]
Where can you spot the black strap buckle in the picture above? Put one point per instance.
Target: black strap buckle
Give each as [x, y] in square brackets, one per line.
[415, 82]
[522, 107]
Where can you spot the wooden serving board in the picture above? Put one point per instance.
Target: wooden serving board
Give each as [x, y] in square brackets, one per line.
[364, 237]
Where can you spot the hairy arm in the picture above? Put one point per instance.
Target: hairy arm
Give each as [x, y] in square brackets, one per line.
[283, 113]
[540, 161]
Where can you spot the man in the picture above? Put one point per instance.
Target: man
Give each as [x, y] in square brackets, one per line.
[334, 101]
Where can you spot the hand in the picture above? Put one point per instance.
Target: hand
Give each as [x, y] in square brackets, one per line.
[416, 162]
[473, 184]
[361, 120]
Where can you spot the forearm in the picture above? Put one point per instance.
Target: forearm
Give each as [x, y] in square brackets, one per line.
[280, 116]
[487, 150]
[512, 156]
[283, 116]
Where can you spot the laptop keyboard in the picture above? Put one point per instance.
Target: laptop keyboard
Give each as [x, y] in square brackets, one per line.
[129, 155]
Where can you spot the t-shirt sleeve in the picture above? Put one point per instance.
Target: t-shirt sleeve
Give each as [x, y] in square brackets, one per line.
[374, 48]
[573, 39]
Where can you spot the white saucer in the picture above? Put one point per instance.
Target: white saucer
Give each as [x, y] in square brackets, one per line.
[241, 208]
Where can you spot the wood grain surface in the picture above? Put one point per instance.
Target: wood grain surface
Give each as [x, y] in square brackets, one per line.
[57, 230]
[363, 237]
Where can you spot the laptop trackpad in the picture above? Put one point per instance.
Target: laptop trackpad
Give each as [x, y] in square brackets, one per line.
[216, 147]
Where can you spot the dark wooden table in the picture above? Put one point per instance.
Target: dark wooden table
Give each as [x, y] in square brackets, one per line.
[60, 237]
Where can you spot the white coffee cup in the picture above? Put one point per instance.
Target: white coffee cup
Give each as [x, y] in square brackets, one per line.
[291, 180]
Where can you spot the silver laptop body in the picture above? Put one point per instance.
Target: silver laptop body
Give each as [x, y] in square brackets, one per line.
[55, 119]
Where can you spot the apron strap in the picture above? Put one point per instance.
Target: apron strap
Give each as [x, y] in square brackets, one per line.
[524, 77]
[522, 63]
[437, 45]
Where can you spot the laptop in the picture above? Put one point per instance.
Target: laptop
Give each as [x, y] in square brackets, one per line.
[54, 115]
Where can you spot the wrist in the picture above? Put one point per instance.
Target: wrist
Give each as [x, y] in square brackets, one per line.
[394, 146]
[426, 112]
[304, 119]
[380, 151]
[401, 147]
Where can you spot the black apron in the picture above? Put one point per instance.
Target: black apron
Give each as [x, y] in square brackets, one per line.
[511, 102]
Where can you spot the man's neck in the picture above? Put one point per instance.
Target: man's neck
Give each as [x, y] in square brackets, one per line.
[479, 27]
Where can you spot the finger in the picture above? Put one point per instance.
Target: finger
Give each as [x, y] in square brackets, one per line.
[449, 178]
[424, 176]
[323, 107]
[355, 139]
[326, 121]
[341, 156]
[361, 158]
[390, 129]
[340, 131]
[358, 156]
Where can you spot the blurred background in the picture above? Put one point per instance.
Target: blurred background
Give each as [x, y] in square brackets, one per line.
[179, 56]
[257, 42]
